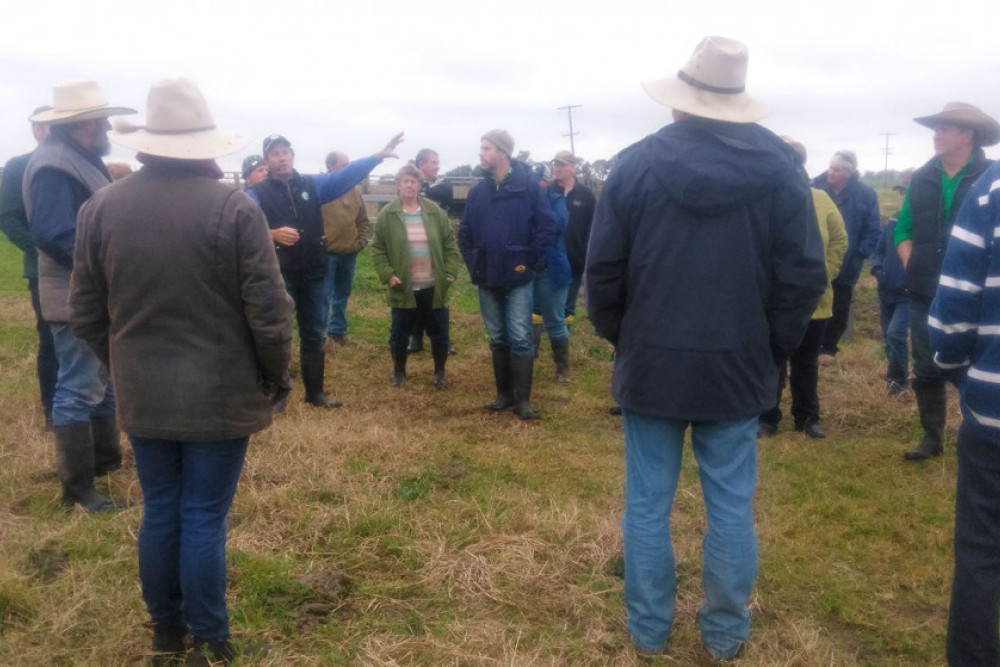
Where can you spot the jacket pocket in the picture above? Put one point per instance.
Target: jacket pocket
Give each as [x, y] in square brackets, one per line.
[518, 263]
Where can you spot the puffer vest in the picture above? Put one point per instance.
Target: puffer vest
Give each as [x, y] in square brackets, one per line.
[296, 205]
[931, 229]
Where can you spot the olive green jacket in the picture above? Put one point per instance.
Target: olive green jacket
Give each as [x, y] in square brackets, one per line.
[391, 252]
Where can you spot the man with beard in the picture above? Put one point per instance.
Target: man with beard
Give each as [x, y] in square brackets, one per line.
[60, 176]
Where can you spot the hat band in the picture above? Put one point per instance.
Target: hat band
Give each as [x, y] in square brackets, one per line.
[187, 131]
[691, 81]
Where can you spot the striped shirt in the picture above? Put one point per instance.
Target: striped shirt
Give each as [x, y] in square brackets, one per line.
[421, 269]
[964, 321]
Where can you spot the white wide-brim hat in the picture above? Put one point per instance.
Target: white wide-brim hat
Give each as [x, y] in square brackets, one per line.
[178, 125]
[76, 101]
[712, 84]
[965, 115]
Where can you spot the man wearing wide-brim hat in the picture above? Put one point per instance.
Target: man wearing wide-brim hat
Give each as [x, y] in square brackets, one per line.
[60, 176]
[177, 281]
[704, 252]
[931, 205]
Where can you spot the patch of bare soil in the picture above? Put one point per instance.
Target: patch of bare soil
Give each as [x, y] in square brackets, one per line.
[328, 592]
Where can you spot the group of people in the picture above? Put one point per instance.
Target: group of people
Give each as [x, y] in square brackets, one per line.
[709, 263]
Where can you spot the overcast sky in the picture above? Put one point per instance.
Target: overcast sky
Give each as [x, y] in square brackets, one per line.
[346, 76]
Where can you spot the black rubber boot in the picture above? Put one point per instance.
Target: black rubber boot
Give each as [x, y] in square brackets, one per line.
[440, 354]
[416, 344]
[502, 377]
[560, 354]
[398, 366]
[107, 445]
[536, 337]
[208, 654]
[75, 462]
[522, 372]
[313, 365]
[932, 402]
[169, 644]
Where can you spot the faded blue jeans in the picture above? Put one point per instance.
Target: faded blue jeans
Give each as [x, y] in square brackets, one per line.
[187, 489]
[895, 320]
[726, 452]
[339, 278]
[550, 303]
[507, 315]
[83, 387]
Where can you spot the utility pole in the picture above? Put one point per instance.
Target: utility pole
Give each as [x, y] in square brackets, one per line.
[569, 111]
[888, 151]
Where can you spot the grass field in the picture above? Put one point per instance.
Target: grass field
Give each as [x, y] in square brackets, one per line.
[409, 528]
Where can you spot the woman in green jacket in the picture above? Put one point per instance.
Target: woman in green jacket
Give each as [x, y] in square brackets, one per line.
[416, 256]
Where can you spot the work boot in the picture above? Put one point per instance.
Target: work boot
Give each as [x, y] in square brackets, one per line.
[932, 403]
[313, 365]
[107, 445]
[502, 377]
[560, 354]
[440, 354]
[75, 462]
[398, 366]
[169, 644]
[536, 336]
[522, 372]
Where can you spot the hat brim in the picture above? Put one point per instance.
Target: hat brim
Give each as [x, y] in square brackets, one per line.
[733, 108]
[986, 129]
[202, 145]
[53, 117]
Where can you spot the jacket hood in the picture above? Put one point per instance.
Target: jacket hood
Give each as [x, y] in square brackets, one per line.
[711, 166]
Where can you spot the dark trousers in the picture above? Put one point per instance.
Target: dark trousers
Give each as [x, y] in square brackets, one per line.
[804, 378]
[309, 296]
[47, 366]
[843, 295]
[406, 320]
[924, 368]
[974, 616]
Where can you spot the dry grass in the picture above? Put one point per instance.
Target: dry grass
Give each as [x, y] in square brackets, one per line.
[409, 528]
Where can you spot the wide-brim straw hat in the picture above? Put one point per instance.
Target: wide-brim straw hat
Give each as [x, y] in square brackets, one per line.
[178, 125]
[76, 101]
[965, 115]
[712, 84]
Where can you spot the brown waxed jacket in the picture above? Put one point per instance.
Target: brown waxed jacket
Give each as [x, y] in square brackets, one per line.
[345, 223]
[176, 285]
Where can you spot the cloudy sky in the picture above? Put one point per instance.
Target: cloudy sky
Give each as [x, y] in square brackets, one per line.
[346, 76]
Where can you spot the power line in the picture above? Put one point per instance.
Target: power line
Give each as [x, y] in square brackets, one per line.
[569, 111]
[888, 151]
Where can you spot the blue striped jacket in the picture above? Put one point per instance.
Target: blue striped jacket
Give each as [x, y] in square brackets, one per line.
[964, 321]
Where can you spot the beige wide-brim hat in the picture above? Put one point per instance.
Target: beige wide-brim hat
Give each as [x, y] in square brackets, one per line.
[178, 125]
[76, 101]
[712, 84]
[965, 115]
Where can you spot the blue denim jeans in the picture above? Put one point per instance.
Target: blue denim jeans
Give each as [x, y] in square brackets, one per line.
[895, 317]
[309, 296]
[507, 315]
[550, 303]
[975, 591]
[187, 488]
[726, 452]
[339, 278]
[572, 294]
[46, 366]
[83, 387]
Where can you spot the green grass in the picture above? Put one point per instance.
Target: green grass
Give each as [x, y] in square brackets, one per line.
[410, 528]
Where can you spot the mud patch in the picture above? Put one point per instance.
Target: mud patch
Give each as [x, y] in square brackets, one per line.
[326, 594]
[45, 563]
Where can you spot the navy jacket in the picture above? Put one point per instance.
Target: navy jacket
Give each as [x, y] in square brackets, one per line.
[704, 253]
[507, 229]
[555, 260]
[858, 204]
[887, 267]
